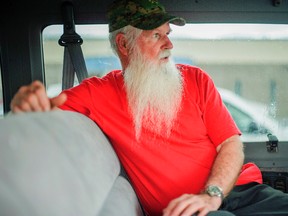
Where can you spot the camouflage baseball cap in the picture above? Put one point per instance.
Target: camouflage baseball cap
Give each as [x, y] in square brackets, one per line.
[142, 14]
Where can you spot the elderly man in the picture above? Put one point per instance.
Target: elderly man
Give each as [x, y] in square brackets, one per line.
[167, 123]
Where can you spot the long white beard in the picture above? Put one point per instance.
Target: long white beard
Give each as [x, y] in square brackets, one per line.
[154, 93]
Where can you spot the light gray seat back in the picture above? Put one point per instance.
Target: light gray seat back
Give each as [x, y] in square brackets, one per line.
[60, 164]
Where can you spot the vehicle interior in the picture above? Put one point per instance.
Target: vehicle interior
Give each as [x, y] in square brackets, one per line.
[242, 45]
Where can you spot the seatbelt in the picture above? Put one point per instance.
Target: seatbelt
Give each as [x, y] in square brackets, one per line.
[73, 62]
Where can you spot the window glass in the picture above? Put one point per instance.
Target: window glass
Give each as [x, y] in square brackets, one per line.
[247, 62]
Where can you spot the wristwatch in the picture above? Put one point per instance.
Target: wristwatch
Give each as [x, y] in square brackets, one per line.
[213, 190]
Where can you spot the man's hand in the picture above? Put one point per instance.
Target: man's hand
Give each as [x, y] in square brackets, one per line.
[33, 98]
[189, 204]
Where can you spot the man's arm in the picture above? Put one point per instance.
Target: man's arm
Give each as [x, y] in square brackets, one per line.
[227, 165]
[225, 171]
[33, 98]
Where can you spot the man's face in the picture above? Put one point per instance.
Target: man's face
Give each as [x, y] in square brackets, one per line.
[153, 42]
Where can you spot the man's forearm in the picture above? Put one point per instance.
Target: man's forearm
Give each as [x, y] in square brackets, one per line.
[227, 165]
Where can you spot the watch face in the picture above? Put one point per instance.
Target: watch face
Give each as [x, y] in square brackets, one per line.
[214, 191]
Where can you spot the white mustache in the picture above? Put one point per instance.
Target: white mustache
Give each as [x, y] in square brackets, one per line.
[165, 54]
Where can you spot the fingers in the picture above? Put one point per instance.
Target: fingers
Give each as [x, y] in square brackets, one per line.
[25, 99]
[189, 205]
[175, 207]
[33, 98]
[42, 102]
[184, 205]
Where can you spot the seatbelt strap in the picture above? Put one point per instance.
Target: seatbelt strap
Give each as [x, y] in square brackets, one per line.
[73, 62]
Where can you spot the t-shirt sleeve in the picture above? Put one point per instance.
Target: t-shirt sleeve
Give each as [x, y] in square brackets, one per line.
[82, 98]
[219, 122]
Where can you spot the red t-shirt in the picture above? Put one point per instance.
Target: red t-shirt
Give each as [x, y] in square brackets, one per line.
[160, 168]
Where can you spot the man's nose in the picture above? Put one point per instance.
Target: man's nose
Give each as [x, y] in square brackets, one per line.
[167, 43]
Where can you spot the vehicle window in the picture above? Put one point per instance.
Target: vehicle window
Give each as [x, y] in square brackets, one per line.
[246, 123]
[248, 63]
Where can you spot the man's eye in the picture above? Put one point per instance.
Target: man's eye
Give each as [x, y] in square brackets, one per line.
[156, 35]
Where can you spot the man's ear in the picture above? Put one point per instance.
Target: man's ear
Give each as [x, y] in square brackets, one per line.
[121, 44]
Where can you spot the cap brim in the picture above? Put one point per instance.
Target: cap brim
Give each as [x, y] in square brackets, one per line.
[153, 21]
